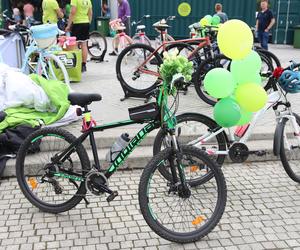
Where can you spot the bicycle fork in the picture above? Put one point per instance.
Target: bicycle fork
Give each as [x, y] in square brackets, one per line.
[179, 185]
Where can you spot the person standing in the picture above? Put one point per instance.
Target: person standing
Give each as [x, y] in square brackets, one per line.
[28, 10]
[79, 25]
[124, 13]
[264, 22]
[51, 11]
[219, 12]
[105, 9]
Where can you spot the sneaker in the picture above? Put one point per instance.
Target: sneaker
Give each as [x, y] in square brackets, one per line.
[83, 69]
[113, 54]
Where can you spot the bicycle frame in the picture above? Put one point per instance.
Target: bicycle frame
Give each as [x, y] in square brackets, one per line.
[202, 43]
[41, 65]
[168, 118]
[122, 156]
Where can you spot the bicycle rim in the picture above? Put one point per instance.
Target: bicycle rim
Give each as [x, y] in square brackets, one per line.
[135, 77]
[38, 172]
[96, 45]
[178, 217]
[290, 151]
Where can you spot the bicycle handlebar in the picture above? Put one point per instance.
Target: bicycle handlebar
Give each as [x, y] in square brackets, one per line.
[293, 66]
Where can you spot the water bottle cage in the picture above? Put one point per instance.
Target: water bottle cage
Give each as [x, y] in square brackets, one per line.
[88, 122]
[112, 153]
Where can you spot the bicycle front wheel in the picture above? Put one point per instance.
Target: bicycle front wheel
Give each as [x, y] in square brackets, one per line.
[177, 215]
[219, 61]
[137, 68]
[97, 45]
[46, 184]
[290, 149]
[53, 68]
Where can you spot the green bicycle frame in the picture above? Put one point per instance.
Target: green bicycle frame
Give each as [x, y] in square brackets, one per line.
[168, 121]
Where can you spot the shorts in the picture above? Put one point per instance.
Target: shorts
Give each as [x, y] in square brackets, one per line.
[81, 31]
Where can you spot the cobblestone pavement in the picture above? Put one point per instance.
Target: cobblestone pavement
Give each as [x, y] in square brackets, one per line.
[262, 212]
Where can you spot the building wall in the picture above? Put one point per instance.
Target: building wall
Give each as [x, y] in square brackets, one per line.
[158, 9]
[287, 13]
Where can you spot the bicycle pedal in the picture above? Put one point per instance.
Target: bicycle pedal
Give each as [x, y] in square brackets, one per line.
[112, 196]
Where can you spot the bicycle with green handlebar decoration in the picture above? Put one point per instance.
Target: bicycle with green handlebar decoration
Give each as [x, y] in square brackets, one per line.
[55, 174]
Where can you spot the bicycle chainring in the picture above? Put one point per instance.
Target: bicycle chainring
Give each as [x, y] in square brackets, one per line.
[93, 180]
[238, 152]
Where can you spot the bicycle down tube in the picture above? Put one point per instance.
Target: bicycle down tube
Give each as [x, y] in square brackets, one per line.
[121, 157]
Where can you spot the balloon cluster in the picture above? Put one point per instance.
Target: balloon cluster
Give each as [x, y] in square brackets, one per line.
[174, 64]
[209, 20]
[240, 88]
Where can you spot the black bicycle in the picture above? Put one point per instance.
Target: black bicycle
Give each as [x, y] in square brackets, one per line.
[55, 174]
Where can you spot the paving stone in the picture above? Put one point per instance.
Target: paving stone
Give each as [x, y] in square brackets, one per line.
[237, 229]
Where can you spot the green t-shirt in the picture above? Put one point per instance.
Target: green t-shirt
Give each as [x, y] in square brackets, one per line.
[49, 11]
[82, 10]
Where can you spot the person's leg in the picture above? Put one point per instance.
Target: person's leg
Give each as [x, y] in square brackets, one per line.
[260, 38]
[265, 40]
[128, 27]
[115, 45]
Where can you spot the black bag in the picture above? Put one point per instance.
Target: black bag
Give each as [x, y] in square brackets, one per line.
[146, 112]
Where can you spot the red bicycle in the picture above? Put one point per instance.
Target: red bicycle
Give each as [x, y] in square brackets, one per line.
[137, 65]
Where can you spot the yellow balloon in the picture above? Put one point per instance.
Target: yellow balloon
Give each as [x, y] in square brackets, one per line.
[235, 39]
[204, 22]
[251, 97]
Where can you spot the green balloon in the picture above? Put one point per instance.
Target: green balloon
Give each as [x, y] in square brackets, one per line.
[246, 70]
[209, 18]
[219, 83]
[227, 113]
[245, 117]
[216, 20]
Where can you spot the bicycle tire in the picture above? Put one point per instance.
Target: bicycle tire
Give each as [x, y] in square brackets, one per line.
[120, 76]
[97, 34]
[201, 71]
[270, 55]
[201, 119]
[283, 156]
[59, 65]
[145, 198]
[20, 163]
[136, 39]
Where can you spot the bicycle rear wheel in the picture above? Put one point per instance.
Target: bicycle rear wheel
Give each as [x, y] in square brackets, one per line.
[219, 61]
[44, 182]
[194, 129]
[97, 45]
[177, 214]
[133, 77]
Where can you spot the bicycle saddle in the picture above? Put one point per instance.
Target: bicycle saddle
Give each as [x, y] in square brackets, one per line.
[83, 99]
